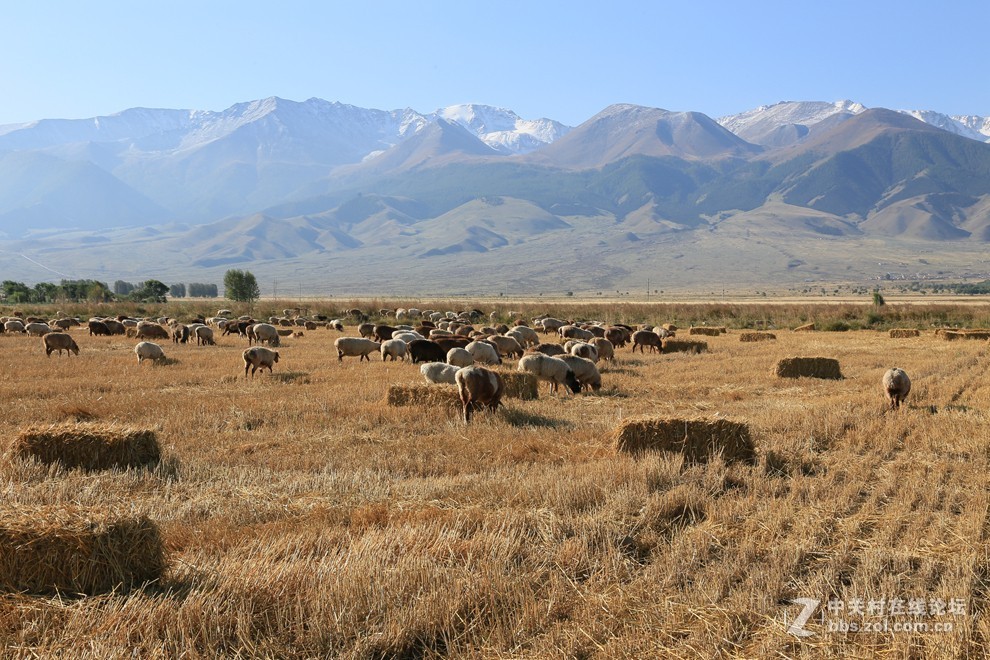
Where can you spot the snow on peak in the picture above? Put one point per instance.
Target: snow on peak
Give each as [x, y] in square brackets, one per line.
[501, 129]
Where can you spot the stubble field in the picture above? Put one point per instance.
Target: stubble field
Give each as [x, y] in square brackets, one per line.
[304, 517]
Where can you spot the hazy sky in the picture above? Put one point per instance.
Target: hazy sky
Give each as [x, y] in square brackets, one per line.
[562, 60]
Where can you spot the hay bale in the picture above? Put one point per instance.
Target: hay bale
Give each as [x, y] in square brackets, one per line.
[669, 327]
[976, 334]
[807, 327]
[951, 335]
[519, 385]
[809, 367]
[756, 336]
[89, 446]
[77, 550]
[684, 346]
[697, 439]
[422, 395]
[904, 333]
[702, 330]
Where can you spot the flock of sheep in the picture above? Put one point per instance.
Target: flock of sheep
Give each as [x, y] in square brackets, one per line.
[450, 345]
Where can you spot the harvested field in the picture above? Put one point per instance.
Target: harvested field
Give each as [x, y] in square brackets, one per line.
[305, 517]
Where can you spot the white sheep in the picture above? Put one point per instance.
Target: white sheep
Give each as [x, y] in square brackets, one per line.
[258, 357]
[265, 332]
[459, 357]
[395, 349]
[204, 336]
[530, 338]
[896, 385]
[407, 336]
[584, 350]
[551, 369]
[148, 350]
[355, 347]
[438, 372]
[483, 352]
[584, 370]
[37, 329]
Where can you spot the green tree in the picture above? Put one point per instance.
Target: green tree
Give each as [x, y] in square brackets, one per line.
[177, 290]
[151, 291]
[878, 300]
[240, 286]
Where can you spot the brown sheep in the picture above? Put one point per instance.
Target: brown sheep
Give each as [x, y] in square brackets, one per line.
[258, 357]
[478, 387]
[59, 341]
[896, 385]
[643, 338]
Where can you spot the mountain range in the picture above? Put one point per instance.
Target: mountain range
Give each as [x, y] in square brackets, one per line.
[332, 198]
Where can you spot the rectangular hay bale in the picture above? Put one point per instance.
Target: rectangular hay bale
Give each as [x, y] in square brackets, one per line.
[904, 333]
[976, 334]
[684, 346]
[808, 367]
[89, 446]
[706, 331]
[757, 336]
[422, 395]
[77, 550]
[519, 385]
[697, 439]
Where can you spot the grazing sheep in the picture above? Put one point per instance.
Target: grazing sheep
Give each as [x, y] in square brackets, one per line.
[258, 357]
[643, 338]
[460, 357]
[483, 352]
[896, 385]
[506, 345]
[383, 332]
[337, 325]
[548, 348]
[424, 350]
[585, 350]
[37, 329]
[64, 324]
[407, 336]
[59, 341]
[180, 334]
[264, 332]
[151, 331]
[574, 332]
[394, 348]
[147, 350]
[447, 343]
[550, 324]
[355, 347]
[98, 328]
[530, 338]
[618, 335]
[478, 387]
[16, 326]
[551, 369]
[437, 373]
[584, 370]
[366, 330]
[204, 336]
[606, 351]
[115, 327]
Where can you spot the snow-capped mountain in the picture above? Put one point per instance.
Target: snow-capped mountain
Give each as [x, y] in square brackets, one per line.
[503, 130]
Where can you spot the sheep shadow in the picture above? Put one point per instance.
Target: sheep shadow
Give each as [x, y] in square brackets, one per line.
[522, 418]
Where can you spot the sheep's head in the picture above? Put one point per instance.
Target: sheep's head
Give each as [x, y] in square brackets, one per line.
[276, 356]
[572, 382]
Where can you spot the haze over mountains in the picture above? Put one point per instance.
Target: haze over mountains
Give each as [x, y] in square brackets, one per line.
[331, 198]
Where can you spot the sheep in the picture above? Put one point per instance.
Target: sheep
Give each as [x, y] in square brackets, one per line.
[366, 330]
[447, 343]
[383, 332]
[115, 327]
[264, 332]
[64, 324]
[394, 348]
[506, 345]
[584, 370]
[551, 369]
[180, 334]
[585, 350]
[459, 357]
[355, 347]
[643, 338]
[37, 329]
[407, 336]
[550, 324]
[896, 385]
[204, 336]
[548, 348]
[618, 335]
[574, 332]
[147, 330]
[337, 325]
[478, 387]
[530, 338]
[14, 326]
[606, 351]
[483, 352]
[258, 357]
[97, 328]
[424, 350]
[59, 341]
[437, 373]
[147, 350]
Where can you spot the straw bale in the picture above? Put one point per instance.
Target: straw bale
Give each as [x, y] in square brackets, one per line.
[708, 332]
[903, 333]
[90, 446]
[684, 346]
[807, 327]
[756, 336]
[77, 550]
[976, 334]
[519, 385]
[951, 335]
[811, 367]
[422, 395]
[697, 439]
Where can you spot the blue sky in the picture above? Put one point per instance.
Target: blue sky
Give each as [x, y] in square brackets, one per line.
[563, 60]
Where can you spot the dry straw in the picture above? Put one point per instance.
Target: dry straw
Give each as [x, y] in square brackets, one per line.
[77, 550]
[810, 367]
[519, 385]
[756, 336]
[89, 446]
[697, 439]
[807, 327]
[684, 346]
[904, 333]
[708, 332]
[422, 395]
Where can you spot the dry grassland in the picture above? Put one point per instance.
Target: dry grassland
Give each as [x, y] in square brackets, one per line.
[305, 517]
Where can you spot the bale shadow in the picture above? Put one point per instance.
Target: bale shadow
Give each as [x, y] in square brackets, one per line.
[522, 418]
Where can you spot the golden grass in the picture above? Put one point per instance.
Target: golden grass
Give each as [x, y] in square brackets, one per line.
[807, 327]
[76, 550]
[808, 367]
[310, 519]
[91, 446]
[756, 336]
[698, 440]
